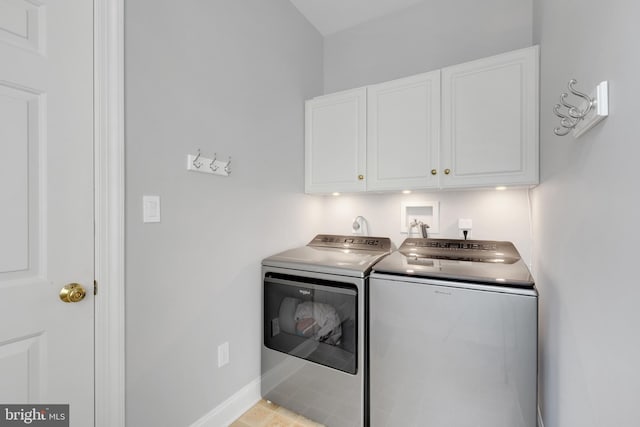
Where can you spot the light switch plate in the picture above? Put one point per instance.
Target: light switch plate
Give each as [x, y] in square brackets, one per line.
[150, 209]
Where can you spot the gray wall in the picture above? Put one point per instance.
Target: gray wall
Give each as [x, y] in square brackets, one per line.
[230, 77]
[425, 37]
[585, 214]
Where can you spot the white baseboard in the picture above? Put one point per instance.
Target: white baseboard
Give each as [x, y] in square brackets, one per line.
[231, 409]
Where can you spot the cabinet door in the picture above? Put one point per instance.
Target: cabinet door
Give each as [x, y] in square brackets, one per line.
[335, 138]
[490, 121]
[403, 133]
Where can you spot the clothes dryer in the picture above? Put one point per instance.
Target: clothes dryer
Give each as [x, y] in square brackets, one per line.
[313, 353]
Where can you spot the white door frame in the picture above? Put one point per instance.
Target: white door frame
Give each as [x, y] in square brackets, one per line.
[109, 212]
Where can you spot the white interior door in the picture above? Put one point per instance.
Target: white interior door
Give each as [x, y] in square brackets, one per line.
[46, 204]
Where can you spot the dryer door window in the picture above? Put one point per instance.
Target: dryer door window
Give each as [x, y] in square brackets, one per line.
[313, 319]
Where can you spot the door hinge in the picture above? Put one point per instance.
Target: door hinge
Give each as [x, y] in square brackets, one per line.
[95, 287]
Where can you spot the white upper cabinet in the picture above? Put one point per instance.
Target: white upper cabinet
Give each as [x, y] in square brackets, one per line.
[490, 121]
[465, 126]
[403, 133]
[335, 142]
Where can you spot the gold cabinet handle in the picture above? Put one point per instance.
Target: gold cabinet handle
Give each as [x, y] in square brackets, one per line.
[433, 171]
[360, 177]
[447, 171]
[73, 292]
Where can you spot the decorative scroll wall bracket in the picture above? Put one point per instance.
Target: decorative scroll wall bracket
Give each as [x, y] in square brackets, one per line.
[592, 110]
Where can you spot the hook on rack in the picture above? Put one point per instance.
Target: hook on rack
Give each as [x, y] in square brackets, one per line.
[213, 165]
[227, 167]
[591, 111]
[195, 162]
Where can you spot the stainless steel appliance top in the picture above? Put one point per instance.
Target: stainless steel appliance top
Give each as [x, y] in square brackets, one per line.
[478, 261]
[334, 254]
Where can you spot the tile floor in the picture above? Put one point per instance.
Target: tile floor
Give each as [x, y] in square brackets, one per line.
[267, 414]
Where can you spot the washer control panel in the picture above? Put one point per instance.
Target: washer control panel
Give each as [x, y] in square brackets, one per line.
[461, 250]
[382, 244]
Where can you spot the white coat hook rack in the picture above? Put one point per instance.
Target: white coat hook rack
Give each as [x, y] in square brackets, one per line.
[593, 109]
[196, 163]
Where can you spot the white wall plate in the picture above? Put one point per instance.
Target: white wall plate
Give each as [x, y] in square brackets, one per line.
[428, 212]
[150, 209]
[599, 111]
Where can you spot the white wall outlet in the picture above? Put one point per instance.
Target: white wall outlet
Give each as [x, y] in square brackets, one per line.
[464, 224]
[223, 354]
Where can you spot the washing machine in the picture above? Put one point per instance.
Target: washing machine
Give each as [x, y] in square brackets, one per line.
[313, 352]
[453, 336]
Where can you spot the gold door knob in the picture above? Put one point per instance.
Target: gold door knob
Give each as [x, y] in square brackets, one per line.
[447, 171]
[433, 171]
[360, 177]
[73, 292]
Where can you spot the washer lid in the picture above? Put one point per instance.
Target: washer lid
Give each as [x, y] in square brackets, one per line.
[344, 255]
[478, 261]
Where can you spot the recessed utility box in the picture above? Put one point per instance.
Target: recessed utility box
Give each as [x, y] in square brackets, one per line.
[425, 212]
